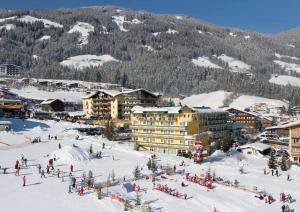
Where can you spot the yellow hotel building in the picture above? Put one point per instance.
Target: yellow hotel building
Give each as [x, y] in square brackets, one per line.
[170, 130]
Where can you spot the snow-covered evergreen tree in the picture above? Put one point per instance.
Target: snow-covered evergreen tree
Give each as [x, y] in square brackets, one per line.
[137, 172]
[272, 163]
[283, 164]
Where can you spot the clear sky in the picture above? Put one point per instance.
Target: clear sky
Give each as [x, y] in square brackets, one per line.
[268, 16]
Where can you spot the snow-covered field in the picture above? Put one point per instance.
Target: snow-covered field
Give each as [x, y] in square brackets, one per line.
[205, 62]
[83, 29]
[34, 93]
[213, 99]
[171, 31]
[234, 64]
[45, 37]
[7, 19]
[285, 56]
[83, 61]
[285, 80]
[245, 101]
[46, 22]
[288, 66]
[51, 193]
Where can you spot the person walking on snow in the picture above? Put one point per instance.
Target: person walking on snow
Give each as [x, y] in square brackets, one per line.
[59, 146]
[71, 168]
[24, 181]
[272, 171]
[39, 168]
[288, 177]
[43, 174]
[58, 172]
[18, 170]
[277, 173]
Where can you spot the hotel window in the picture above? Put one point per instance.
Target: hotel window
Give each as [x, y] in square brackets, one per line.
[182, 132]
[170, 141]
[297, 140]
[297, 149]
[182, 142]
[298, 132]
[145, 139]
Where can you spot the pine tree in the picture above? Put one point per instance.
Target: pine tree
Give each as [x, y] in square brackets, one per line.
[137, 172]
[272, 163]
[283, 164]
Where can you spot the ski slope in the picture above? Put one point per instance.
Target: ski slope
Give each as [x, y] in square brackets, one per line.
[47, 23]
[84, 61]
[246, 101]
[288, 66]
[285, 80]
[51, 193]
[8, 27]
[234, 64]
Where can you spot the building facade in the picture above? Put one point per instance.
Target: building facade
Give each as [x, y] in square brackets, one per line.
[294, 144]
[52, 105]
[112, 104]
[10, 70]
[170, 130]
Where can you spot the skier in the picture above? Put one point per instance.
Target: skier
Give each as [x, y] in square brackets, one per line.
[277, 173]
[185, 196]
[73, 182]
[49, 137]
[18, 170]
[24, 181]
[39, 168]
[182, 184]
[55, 137]
[283, 208]
[43, 174]
[59, 146]
[25, 161]
[265, 171]
[71, 168]
[272, 171]
[113, 157]
[58, 172]
[48, 169]
[288, 177]
[103, 145]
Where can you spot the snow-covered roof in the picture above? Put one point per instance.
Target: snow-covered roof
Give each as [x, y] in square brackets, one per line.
[258, 146]
[170, 110]
[139, 89]
[209, 110]
[283, 126]
[112, 93]
[248, 112]
[48, 101]
[90, 95]
[10, 100]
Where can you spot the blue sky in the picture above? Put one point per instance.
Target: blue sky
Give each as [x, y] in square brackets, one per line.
[268, 16]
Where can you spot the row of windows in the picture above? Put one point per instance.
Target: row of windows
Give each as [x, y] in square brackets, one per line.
[164, 132]
[165, 141]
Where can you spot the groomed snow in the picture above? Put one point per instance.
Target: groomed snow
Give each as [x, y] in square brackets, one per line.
[34, 93]
[232, 34]
[8, 27]
[234, 64]
[84, 29]
[71, 154]
[285, 80]
[205, 62]
[178, 17]
[291, 45]
[149, 48]
[120, 20]
[84, 61]
[7, 19]
[288, 66]
[247, 37]
[213, 99]
[156, 33]
[51, 193]
[246, 101]
[47, 23]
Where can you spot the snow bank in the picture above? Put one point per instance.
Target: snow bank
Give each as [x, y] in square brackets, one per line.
[70, 154]
[205, 62]
[47, 23]
[288, 66]
[286, 56]
[234, 64]
[84, 29]
[246, 101]
[85, 61]
[218, 153]
[285, 80]
[120, 20]
[213, 99]
[8, 26]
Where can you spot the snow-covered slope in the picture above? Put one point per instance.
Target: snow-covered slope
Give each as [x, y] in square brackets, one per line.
[205, 62]
[45, 37]
[83, 61]
[47, 23]
[286, 56]
[84, 29]
[288, 66]
[70, 154]
[246, 101]
[285, 80]
[7, 19]
[8, 27]
[213, 99]
[171, 31]
[120, 20]
[234, 64]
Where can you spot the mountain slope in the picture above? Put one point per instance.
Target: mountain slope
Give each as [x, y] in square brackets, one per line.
[153, 51]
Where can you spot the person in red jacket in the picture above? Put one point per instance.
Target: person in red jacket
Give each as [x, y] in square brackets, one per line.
[71, 168]
[24, 181]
